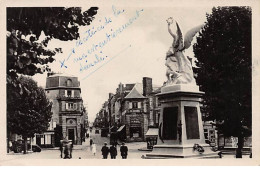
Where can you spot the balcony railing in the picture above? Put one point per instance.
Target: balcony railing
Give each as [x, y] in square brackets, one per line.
[69, 98]
[72, 112]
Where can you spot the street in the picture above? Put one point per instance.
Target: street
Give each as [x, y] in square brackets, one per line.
[84, 151]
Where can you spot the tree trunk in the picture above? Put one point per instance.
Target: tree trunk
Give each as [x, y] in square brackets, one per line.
[25, 145]
[240, 145]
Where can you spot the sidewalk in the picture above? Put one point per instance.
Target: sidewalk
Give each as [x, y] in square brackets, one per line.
[75, 147]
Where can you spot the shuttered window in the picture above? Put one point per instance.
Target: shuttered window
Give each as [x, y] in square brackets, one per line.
[130, 105]
[139, 105]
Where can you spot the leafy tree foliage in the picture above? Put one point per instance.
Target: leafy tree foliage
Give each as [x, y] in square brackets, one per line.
[28, 112]
[223, 52]
[24, 27]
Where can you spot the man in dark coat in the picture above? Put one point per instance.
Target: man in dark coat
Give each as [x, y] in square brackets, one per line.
[91, 142]
[105, 151]
[123, 150]
[61, 148]
[113, 151]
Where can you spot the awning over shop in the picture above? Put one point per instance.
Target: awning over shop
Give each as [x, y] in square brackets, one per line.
[111, 128]
[152, 132]
[121, 128]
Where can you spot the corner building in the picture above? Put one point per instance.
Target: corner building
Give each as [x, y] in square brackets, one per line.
[68, 119]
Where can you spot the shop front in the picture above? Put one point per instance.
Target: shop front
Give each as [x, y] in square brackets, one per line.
[136, 129]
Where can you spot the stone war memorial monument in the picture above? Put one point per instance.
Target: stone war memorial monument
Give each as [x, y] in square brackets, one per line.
[180, 124]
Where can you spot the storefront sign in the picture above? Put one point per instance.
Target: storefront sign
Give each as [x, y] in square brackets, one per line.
[135, 122]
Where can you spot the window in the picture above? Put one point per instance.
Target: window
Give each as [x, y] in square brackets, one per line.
[75, 106]
[130, 105]
[69, 83]
[135, 132]
[139, 105]
[69, 93]
[151, 102]
[145, 108]
[135, 105]
[71, 106]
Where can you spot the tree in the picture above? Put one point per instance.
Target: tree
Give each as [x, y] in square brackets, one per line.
[25, 52]
[28, 112]
[223, 52]
[28, 55]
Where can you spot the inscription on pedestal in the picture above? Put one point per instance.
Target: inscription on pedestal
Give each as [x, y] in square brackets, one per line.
[170, 115]
[191, 120]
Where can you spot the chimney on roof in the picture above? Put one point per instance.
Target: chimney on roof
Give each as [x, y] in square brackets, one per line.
[120, 88]
[147, 86]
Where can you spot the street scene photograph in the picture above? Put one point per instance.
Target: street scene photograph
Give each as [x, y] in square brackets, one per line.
[121, 82]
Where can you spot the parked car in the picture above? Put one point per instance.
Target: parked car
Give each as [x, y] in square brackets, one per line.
[36, 148]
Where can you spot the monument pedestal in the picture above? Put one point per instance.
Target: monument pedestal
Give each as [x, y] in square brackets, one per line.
[181, 133]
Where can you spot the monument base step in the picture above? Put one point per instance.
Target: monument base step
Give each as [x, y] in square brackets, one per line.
[167, 156]
[182, 151]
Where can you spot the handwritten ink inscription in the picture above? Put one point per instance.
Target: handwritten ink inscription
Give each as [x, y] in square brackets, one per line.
[93, 51]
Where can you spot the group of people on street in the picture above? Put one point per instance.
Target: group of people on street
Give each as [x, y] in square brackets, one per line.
[66, 147]
[113, 151]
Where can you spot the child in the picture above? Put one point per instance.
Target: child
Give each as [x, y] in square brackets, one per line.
[94, 149]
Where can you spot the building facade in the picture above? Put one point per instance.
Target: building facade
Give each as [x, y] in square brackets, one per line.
[69, 115]
[131, 110]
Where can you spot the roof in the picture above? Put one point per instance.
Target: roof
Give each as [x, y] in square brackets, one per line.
[62, 74]
[157, 90]
[136, 92]
[152, 132]
[129, 86]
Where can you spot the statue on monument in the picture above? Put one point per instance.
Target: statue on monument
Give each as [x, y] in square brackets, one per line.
[179, 67]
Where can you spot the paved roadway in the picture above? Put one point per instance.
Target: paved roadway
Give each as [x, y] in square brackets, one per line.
[84, 151]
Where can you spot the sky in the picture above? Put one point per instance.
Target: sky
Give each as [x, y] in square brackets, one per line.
[135, 52]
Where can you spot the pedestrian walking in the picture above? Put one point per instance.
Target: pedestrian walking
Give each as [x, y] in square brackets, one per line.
[91, 142]
[113, 151]
[61, 148]
[71, 147]
[67, 151]
[105, 151]
[124, 150]
[94, 149]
